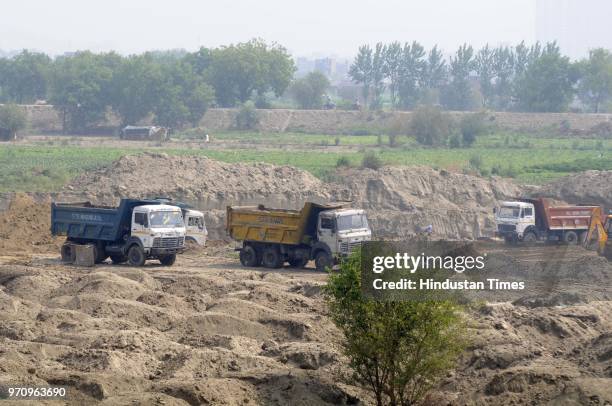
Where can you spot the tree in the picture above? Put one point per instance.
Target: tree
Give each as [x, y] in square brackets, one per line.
[392, 69]
[361, 71]
[237, 71]
[181, 96]
[457, 94]
[595, 85]
[398, 349]
[471, 126]
[378, 75]
[308, 91]
[434, 75]
[79, 89]
[12, 120]
[503, 70]
[484, 66]
[133, 88]
[546, 85]
[24, 78]
[412, 73]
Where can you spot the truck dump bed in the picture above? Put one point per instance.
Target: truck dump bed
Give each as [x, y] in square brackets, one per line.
[85, 221]
[262, 224]
[562, 217]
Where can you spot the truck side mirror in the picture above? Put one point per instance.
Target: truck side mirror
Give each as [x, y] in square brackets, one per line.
[494, 210]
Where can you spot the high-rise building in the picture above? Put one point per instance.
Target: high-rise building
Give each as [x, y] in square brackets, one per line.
[576, 25]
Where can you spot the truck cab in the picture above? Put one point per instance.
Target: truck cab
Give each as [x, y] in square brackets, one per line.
[158, 227]
[195, 228]
[343, 230]
[514, 219]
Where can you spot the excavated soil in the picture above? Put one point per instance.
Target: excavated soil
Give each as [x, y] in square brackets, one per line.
[590, 187]
[399, 200]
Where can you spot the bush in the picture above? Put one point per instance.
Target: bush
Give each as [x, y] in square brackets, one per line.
[371, 161]
[247, 117]
[431, 126]
[397, 349]
[12, 120]
[476, 162]
[343, 162]
[337, 141]
[472, 125]
[454, 141]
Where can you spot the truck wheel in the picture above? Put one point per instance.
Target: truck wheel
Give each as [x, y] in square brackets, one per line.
[570, 238]
[68, 253]
[118, 259]
[530, 237]
[249, 256]
[167, 260]
[298, 262]
[323, 261]
[271, 258]
[136, 256]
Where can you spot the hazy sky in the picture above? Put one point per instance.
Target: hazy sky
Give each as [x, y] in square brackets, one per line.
[305, 27]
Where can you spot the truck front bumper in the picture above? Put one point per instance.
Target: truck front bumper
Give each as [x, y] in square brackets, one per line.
[165, 251]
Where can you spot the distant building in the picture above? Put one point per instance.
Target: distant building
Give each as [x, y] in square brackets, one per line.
[576, 25]
[327, 66]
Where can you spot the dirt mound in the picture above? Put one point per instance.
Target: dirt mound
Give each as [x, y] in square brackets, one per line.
[590, 187]
[399, 200]
[25, 226]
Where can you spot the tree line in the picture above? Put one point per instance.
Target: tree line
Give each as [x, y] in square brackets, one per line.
[537, 78]
[175, 86]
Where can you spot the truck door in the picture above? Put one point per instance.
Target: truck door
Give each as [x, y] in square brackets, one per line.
[326, 232]
[140, 223]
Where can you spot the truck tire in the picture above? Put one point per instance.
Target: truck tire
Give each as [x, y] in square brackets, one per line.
[298, 262]
[323, 261]
[530, 238]
[136, 256]
[68, 253]
[249, 256]
[570, 238]
[167, 260]
[271, 258]
[118, 259]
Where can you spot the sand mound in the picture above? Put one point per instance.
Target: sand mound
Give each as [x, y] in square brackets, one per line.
[590, 187]
[399, 200]
[25, 226]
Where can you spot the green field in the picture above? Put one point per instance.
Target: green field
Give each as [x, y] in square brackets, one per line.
[531, 160]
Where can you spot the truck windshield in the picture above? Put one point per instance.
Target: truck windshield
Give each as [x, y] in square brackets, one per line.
[352, 222]
[506, 211]
[163, 219]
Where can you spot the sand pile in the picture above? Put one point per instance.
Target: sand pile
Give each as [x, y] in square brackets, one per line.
[590, 187]
[399, 200]
[25, 225]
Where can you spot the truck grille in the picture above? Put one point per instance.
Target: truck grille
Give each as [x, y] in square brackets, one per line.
[168, 242]
[346, 247]
[506, 228]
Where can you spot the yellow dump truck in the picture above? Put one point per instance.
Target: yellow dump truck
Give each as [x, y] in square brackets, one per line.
[271, 237]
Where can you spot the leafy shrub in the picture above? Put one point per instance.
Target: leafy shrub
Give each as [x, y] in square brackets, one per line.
[431, 126]
[397, 349]
[476, 162]
[247, 117]
[343, 162]
[371, 161]
[454, 141]
[12, 120]
[337, 141]
[471, 126]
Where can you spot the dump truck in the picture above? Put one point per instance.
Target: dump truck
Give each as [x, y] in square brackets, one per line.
[195, 226]
[133, 232]
[600, 226]
[531, 220]
[271, 237]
